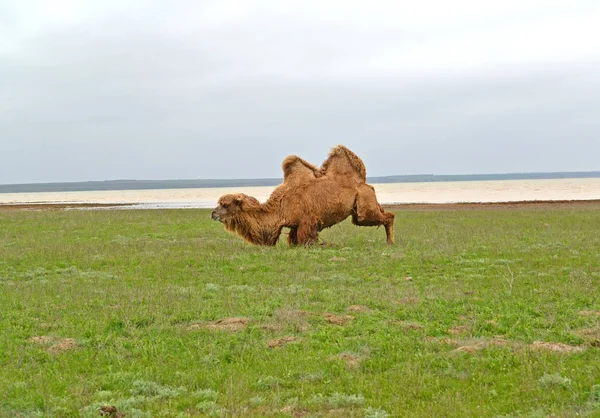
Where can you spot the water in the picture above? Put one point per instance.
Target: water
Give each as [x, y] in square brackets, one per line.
[440, 192]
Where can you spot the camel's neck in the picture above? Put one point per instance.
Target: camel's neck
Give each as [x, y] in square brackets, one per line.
[258, 226]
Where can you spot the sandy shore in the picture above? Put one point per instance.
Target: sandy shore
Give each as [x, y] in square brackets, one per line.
[401, 195]
[535, 204]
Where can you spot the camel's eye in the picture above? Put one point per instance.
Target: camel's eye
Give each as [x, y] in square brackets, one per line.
[225, 205]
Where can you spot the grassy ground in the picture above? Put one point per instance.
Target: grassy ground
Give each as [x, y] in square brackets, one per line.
[162, 313]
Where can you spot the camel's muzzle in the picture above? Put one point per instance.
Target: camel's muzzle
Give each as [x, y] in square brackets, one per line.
[214, 216]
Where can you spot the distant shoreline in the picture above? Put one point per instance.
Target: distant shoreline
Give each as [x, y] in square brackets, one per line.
[116, 185]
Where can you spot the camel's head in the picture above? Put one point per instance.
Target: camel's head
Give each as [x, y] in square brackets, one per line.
[231, 206]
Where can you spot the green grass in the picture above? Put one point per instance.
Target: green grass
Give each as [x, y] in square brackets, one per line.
[126, 300]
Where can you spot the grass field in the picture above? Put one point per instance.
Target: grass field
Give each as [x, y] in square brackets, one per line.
[474, 313]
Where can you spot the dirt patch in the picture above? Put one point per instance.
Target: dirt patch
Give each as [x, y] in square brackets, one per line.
[471, 348]
[229, 324]
[291, 410]
[459, 329]
[555, 347]
[358, 308]
[337, 259]
[407, 325]
[55, 344]
[110, 411]
[65, 345]
[337, 319]
[591, 336]
[351, 361]
[589, 313]
[224, 324]
[409, 300]
[42, 340]
[498, 342]
[281, 341]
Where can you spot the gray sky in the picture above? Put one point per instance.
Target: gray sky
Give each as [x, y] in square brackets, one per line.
[95, 90]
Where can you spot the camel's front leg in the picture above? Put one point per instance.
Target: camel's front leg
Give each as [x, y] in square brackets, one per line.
[389, 226]
[307, 233]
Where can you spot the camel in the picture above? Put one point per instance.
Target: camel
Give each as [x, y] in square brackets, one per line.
[309, 200]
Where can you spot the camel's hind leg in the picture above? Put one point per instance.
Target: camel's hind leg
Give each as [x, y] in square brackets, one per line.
[368, 212]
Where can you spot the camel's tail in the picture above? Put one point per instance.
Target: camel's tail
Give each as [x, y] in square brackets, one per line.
[355, 162]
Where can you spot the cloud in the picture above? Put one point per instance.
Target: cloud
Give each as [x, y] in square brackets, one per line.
[132, 89]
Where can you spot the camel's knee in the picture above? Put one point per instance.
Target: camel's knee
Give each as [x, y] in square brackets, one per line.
[368, 218]
[371, 218]
[388, 218]
[368, 212]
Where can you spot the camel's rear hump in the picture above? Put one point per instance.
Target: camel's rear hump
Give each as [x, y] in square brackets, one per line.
[342, 161]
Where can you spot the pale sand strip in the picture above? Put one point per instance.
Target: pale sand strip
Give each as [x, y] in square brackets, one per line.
[441, 192]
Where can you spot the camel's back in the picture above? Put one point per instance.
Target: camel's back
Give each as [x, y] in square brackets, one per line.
[324, 198]
[328, 194]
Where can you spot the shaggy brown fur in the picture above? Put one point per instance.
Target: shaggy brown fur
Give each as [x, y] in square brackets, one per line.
[309, 200]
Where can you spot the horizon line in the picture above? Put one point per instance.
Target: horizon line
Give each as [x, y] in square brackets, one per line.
[246, 179]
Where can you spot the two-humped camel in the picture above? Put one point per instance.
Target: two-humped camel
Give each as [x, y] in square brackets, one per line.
[309, 200]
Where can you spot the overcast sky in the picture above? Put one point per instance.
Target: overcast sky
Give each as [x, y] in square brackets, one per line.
[96, 90]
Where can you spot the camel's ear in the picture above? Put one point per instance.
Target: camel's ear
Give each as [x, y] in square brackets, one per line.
[238, 199]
